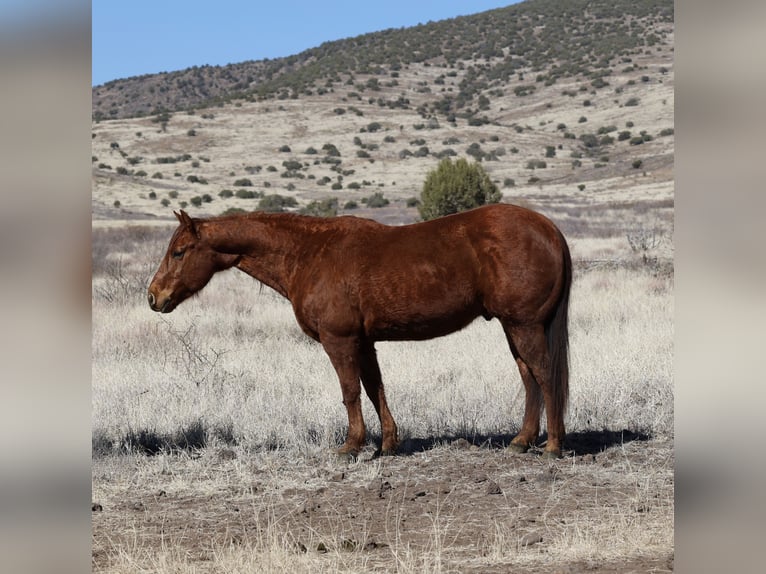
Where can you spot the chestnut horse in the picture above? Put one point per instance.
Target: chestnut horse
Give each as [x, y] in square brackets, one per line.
[352, 282]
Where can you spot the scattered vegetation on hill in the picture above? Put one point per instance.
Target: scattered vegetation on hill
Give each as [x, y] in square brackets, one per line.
[587, 39]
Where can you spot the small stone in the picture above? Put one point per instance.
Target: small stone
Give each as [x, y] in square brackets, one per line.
[96, 507]
[493, 488]
[531, 538]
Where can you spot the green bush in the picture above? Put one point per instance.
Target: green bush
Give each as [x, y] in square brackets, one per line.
[324, 208]
[245, 194]
[376, 200]
[276, 202]
[456, 186]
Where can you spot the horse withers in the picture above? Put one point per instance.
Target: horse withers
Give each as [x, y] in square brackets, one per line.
[353, 282]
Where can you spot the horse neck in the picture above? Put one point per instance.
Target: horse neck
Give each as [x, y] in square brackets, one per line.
[268, 245]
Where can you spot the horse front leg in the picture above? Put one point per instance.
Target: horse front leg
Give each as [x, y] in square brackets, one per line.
[373, 385]
[345, 357]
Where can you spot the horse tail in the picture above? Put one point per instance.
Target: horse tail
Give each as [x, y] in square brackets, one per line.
[557, 336]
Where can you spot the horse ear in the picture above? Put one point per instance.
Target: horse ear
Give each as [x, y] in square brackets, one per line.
[186, 221]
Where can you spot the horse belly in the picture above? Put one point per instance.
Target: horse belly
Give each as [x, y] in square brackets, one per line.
[412, 319]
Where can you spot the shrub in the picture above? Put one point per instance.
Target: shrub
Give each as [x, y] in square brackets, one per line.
[244, 182]
[589, 140]
[456, 186]
[637, 163]
[224, 193]
[292, 165]
[376, 200]
[324, 208]
[276, 202]
[331, 150]
[245, 194]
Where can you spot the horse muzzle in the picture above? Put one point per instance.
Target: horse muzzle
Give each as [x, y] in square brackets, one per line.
[162, 304]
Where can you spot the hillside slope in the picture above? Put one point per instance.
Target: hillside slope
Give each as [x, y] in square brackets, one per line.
[569, 111]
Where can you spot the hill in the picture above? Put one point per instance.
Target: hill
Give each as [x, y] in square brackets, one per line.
[568, 105]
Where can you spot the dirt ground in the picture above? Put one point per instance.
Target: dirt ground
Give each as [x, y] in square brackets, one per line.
[448, 505]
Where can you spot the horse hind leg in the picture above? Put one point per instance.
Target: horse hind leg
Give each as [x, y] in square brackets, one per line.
[373, 386]
[533, 404]
[532, 346]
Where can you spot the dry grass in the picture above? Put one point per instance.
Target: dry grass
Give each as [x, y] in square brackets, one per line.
[239, 409]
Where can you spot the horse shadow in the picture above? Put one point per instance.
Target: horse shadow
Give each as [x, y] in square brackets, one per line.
[576, 443]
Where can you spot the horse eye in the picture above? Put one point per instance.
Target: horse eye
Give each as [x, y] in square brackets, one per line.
[178, 254]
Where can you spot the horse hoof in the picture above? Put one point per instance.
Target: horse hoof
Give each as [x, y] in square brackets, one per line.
[551, 454]
[518, 448]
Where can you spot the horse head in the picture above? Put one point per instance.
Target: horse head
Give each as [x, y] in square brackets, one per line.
[188, 265]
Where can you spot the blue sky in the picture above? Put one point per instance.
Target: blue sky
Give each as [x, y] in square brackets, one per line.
[145, 37]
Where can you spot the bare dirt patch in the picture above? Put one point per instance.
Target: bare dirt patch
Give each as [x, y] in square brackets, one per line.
[441, 506]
